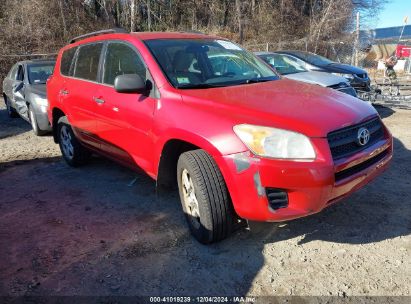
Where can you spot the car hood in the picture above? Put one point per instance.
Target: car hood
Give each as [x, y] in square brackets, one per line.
[287, 104]
[343, 68]
[38, 89]
[320, 78]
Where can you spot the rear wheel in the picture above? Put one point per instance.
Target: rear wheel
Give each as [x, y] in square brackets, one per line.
[71, 149]
[34, 125]
[204, 197]
[11, 112]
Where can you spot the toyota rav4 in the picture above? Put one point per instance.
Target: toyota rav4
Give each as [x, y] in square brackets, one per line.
[202, 113]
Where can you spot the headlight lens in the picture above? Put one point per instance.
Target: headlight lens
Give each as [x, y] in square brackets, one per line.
[346, 76]
[275, 143]
[41, 101]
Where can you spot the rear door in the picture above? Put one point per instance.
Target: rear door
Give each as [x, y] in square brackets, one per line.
[79, 93]
[8, 82]
[125, 120]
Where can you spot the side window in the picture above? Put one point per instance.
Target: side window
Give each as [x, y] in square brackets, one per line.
[20, 73]
[13, 72]
[66, 62]
[87, 61]
[121, 59]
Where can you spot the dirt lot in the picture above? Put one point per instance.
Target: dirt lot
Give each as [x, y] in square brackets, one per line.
[92, 231]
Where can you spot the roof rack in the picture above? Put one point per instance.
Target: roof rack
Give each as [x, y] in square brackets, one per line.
[192, 32]
[102, 32]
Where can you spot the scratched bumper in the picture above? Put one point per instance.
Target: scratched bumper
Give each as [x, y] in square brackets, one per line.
[311, 186]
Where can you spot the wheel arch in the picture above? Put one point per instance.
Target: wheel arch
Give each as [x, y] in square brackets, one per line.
[56, 114]
[170, 151]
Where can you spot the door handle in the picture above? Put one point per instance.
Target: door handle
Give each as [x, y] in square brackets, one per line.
[98, 100]
[64, 92]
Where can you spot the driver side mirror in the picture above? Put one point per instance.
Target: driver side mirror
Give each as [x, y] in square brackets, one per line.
[131, 83]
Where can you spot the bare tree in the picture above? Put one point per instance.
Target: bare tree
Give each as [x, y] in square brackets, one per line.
[51, 22]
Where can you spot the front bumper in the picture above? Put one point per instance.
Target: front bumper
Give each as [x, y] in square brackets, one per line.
[311, 186]
[361, 84]
[41, 117]
[348, 90]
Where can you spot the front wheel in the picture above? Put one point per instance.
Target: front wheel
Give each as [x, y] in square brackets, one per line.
[73, 152]
[204, 197]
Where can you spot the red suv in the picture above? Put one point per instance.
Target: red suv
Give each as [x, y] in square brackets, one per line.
[201, 112]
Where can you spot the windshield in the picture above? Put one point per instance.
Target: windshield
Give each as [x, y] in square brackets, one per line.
[313, 58]
[202, 63]
[284, 64]
[39, 73]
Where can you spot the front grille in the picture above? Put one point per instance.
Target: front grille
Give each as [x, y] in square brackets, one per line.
[339, 86]
[358, 168]
[349, 91]
[343, 142]
[344, 87]
[362, 75]
[277, 198]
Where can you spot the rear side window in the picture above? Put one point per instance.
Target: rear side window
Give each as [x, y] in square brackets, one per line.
[66, 61]
[121, 59]
[87, 61]
[13, 72]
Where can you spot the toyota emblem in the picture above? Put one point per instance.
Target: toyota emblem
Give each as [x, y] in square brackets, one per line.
[363, 136]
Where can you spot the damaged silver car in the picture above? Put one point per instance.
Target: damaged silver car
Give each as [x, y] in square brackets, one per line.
[291, 68]
[24, 93]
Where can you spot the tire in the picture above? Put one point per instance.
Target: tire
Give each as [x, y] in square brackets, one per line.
[11, 112]
[73, 152]
[33, 122]
[204, 197]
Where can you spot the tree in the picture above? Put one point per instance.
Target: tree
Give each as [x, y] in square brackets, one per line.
[44, 26]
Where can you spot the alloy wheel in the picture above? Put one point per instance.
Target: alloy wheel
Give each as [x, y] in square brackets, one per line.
[189, 198]
[66, 142]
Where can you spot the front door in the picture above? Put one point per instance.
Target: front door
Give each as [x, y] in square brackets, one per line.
[125, 119]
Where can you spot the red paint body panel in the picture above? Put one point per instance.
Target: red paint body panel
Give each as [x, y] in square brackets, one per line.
[134, 128]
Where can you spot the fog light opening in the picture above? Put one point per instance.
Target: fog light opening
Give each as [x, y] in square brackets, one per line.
[277, 198]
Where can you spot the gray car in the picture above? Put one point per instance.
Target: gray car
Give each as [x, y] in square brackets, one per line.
[291, 68]
[24, 92]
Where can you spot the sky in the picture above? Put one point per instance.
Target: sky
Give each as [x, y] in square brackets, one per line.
[393, 13]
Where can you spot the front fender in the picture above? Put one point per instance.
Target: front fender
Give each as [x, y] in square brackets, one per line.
[216, 146]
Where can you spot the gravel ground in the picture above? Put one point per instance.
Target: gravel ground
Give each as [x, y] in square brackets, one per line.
[102, 230]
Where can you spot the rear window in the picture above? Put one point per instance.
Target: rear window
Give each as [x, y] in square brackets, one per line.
[87, 61]
[39, 73]
[66, 61]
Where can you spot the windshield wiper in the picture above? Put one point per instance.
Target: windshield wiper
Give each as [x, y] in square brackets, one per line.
[260, 79]
[199, 86]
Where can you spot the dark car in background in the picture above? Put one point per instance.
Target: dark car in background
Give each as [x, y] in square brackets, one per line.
[24, 92]
[357, 77]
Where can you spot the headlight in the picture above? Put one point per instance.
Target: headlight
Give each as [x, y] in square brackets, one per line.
[346, 76]
[275, 143]
[41, 101]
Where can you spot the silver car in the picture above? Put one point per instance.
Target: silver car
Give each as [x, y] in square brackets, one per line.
[24, 92]
[290, 68]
